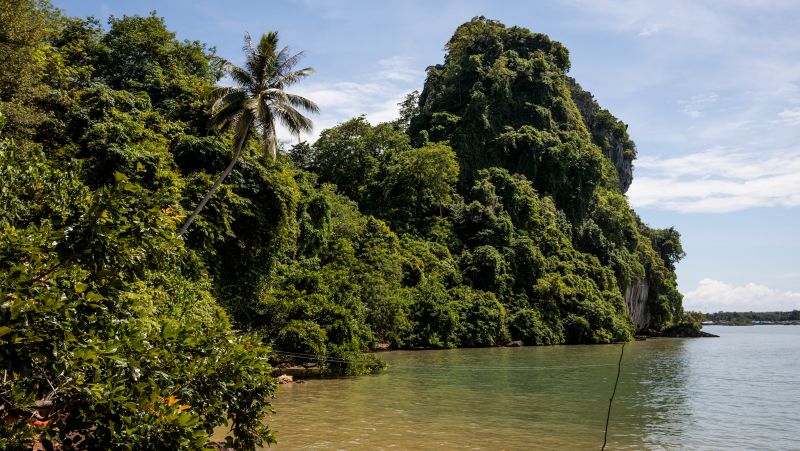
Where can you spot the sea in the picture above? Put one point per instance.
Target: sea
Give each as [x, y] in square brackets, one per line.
[738, 391]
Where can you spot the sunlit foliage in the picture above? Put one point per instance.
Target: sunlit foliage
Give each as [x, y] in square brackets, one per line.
[486, 213]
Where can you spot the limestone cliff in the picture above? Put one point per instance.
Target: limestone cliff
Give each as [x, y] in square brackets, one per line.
[636, 301]
[502, 101]
[611, 135]
[608, 133]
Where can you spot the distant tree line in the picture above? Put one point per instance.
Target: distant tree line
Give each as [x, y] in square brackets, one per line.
[750, 317]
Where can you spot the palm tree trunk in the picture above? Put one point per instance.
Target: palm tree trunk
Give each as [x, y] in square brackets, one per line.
[217, 183]
[273, 151]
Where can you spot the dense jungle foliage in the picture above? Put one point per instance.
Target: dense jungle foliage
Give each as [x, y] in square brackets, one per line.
[486, 213]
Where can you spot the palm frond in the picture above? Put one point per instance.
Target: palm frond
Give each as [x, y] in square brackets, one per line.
[214, 94]
[262, 57]
[292, 119]
[302, 102]
[240, 76]
[276, 95]
[259, 99]
[248, 43]
[283, 66]
[259, 57]
[254, 64]
[281, 56]
[226, 108]
[252, 104]
[292, 77]
[268, 43]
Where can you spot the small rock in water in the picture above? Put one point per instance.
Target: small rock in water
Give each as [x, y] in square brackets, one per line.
[285, 379]
[515, 344]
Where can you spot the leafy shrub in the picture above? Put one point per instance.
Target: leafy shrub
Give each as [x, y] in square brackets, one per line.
[527, 325]
[106, 341]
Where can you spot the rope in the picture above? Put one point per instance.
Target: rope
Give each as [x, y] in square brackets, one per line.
[611, 400]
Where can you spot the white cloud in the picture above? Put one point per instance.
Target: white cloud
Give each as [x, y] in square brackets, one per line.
[398, 68]
[790, 116]
[375, 95]
[648, 18]
[698, 104]
[651, 29]
[718, 180]
[730, 73]
[713, 296]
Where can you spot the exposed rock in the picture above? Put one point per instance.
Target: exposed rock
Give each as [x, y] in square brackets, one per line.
[687, 332]
[608, 133]
[383, 346]
[515, 344]
[636, 302]
[285, 379]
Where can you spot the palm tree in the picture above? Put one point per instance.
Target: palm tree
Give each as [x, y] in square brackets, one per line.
[258, 101]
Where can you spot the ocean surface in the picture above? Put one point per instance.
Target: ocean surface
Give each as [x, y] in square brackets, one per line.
[739, 391]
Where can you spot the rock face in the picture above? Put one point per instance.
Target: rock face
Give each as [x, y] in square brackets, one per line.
[611, 136]
[636, 302]
[608, 133]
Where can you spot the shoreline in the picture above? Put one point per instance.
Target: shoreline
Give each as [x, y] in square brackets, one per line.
[753, 323]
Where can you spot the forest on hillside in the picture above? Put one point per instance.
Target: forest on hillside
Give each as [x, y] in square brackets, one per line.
[491, 210]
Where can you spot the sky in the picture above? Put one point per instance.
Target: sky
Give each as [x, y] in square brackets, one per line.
[710, 91]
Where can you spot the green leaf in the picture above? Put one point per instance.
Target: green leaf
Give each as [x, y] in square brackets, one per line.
[93, 297]
[80, 287]
[4, 330]
[170, 331]
[185, 419]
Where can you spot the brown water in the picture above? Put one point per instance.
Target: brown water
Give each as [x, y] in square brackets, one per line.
[739, 391]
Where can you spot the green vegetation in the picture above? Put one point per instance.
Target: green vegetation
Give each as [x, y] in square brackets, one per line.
[486, 213]
[749, 318]
[258, 102]
[502, 99]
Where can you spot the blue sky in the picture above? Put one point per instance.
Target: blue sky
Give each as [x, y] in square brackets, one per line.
[710, 91]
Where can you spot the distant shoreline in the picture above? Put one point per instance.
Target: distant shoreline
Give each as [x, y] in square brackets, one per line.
[791, 318]
[753, 323]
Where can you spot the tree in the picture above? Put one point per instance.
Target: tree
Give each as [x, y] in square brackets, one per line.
[104, 318]
[350, 155]
[667, 242]
[24, 26]
[258, 101]
[409, 108]
[417, 185]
